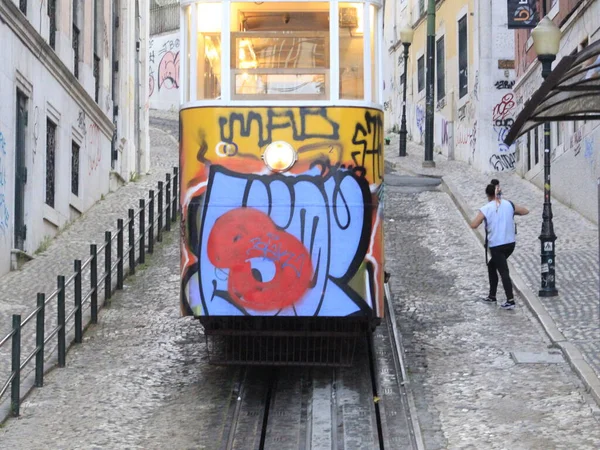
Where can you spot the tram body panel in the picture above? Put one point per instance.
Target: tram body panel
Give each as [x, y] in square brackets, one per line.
[307, 242]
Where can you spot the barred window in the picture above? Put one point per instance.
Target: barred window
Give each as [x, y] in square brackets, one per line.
[52, 23]
[23, 6]
[75, 168]
[50, 162]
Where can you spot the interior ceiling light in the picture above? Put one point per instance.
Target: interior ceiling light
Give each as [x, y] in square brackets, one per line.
[279, 156]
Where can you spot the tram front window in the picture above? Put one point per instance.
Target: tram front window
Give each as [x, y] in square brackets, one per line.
[281, 50]
[208, 46]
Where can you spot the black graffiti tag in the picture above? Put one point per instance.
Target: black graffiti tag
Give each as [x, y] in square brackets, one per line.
[308, 123]
[369, 135]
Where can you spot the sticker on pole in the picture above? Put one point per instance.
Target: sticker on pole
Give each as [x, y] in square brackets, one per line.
[547, 246]
[545, 268]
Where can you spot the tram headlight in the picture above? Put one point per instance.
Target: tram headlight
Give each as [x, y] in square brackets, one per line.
[279, 156]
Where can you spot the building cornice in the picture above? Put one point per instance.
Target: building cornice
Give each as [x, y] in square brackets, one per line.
[22, 28]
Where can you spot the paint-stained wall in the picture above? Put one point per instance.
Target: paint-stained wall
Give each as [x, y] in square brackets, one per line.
[307, 242]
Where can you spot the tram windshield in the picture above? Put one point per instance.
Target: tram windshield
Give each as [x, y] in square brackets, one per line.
[281, 51]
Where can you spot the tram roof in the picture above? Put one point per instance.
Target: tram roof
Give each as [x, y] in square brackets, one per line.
[571, 92]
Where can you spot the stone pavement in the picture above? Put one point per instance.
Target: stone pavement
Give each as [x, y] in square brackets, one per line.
[141, 379]
[18, 289]
[572, 318]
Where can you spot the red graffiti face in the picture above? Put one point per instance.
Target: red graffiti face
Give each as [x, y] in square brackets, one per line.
[246, 241]
[168, 71]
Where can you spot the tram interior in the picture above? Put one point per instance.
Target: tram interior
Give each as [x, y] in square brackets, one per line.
[280, 51]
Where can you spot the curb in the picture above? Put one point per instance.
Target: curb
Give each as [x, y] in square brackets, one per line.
[572, 353]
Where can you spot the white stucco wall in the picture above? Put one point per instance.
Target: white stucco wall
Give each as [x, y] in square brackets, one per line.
[575, 166]
[163, 77]
[47, 99]
[29, 65]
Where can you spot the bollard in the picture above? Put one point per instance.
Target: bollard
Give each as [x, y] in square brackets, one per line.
[39, 339]
[62, 347]
[142, 231]
[151, 222]
[78, 314]
[94, 283]
[168, 202]
[131, 236]
[120, 254]
[107, 266]
[160, 211]
[174, 208]
[15, 388]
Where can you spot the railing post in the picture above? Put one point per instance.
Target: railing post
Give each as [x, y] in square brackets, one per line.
[39, 339]
[78, 314]
[120, 254]
[131, 235]
[62, 347]
[142, 231]
[151, 222]
[168, 203]
[94, 283]
[15, 388]
[107, 266]
[174, 208]
[160, 211]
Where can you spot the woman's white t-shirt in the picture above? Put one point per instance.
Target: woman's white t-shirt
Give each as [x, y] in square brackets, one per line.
[500, 223]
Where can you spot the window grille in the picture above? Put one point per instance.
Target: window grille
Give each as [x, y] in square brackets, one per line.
[52, 25]
[23, 6]
[75, 51]
[97, 77]
[50, 161]
[75, 169]
[463, 60]
[440, 69]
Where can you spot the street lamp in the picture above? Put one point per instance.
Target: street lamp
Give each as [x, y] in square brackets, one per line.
[546, 42]
[406, 36]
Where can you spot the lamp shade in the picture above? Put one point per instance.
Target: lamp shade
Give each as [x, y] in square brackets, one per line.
[406, 34]
[546, 37]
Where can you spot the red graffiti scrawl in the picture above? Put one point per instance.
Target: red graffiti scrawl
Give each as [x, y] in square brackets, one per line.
[245, 237]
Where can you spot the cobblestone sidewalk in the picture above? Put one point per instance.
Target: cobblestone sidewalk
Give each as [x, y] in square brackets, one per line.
[18, 289]
[571, 319]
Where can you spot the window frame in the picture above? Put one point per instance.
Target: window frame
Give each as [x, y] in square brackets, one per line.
[463, 62]
[421, 73]
[440, 73]
[50, 158]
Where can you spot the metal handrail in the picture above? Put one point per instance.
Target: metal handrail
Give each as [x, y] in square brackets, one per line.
[104, 283]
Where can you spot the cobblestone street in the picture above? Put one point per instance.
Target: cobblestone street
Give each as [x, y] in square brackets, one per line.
[141, 378]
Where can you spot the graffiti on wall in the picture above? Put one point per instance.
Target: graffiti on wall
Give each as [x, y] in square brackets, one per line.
[307, 242]
[164, 63]
[504, 84]
[4, 213]
[420, 119]
[503, 157]
[94, 148]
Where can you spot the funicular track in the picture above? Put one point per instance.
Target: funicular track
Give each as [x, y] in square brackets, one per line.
[366, 406]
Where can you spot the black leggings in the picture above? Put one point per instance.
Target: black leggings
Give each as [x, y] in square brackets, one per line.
[498, 263]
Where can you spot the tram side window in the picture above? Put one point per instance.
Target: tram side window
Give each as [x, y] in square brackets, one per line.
[280, 50]
[351, 51]
[208, 45]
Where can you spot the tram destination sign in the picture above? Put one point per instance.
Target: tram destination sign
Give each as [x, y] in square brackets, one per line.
[522, 14]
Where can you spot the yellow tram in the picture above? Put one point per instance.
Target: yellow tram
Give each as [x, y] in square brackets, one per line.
[281, 162]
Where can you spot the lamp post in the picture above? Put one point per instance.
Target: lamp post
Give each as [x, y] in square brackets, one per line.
[429, 86]
[406, 36]
[546, 41]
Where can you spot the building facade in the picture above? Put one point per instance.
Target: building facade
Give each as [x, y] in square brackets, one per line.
[73, 112]
[575, 165]
[474, 76]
